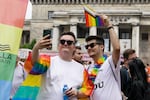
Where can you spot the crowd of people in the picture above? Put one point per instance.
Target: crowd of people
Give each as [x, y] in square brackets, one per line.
[103, 79]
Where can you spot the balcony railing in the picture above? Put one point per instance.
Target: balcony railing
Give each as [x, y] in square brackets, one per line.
[41, 2]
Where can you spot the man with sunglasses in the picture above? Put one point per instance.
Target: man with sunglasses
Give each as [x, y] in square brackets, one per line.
[61, 71]
[105, 72]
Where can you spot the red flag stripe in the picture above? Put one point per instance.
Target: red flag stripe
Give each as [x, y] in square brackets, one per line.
[17, 11]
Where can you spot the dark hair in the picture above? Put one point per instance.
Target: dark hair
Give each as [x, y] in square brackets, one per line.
[137, 71]
[77, 47]
[68, 33]
[128, 52]
[98, 39]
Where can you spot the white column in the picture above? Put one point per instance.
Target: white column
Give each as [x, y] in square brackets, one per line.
[64, 1]
[135, 38]
[90, 1]
[60, 1]
[52, 1]
[56, 1]
[72, 2]
[77, 1]
[73, 28]
[68, 2]
[36, 2]
[93, 31]
[102, 1]
[55, 37]
[111, 1]
[48, 1]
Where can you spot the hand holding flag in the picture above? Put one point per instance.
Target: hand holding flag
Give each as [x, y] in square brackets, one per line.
[94, 19]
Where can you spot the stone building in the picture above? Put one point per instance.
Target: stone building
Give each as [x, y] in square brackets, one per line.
[131, 20]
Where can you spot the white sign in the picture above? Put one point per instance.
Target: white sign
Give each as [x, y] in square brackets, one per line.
[23, 53]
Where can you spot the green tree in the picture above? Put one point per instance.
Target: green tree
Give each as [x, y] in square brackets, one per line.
[29, 45]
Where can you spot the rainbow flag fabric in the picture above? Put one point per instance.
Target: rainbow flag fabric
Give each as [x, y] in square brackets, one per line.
[91, 18]
[12, 15]
[87, 85]
[30, 87]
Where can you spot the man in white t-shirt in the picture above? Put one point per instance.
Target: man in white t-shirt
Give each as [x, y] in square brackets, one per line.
[63, 70]
[105, 72]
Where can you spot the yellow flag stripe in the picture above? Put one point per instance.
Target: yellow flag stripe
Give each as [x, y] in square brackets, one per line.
[10, 37]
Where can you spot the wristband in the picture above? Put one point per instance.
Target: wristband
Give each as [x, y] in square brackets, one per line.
[110, 28]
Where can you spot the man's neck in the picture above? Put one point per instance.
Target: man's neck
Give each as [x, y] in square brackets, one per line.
[126, 65]
[65, 58]
[96, 57]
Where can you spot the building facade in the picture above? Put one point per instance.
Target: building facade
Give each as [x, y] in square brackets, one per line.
[130, 18]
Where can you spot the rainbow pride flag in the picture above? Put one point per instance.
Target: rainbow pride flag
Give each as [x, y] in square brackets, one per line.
[12, 15]
[30, 87]
[91, 18]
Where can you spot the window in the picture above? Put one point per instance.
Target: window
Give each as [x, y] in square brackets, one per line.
[50, 14]
[82, 31]
[145, 36]
[125, 33]
[103, 32]
[25, 37]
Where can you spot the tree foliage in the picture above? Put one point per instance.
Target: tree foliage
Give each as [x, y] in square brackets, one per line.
[29, 45]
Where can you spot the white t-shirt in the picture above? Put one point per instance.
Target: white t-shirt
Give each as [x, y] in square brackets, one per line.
[60, 73]
[107, 82]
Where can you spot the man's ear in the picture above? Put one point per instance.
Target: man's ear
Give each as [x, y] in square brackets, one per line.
[102, 47]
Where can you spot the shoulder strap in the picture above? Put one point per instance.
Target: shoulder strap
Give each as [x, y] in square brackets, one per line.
[23, 70]
[112, 71]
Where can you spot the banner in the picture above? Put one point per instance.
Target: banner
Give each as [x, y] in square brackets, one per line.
[12, 15]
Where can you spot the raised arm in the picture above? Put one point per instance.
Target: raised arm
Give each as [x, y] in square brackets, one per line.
[35, 63]
[114, 40]
[43, 43]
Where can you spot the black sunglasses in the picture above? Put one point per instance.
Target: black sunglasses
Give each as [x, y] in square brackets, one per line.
[92, 45]
[69, 42]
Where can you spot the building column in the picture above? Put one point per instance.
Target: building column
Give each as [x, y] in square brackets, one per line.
[60, 1]
[55, 37]
[93, 31]
[135, 37]
[73, 28]
[77, 1]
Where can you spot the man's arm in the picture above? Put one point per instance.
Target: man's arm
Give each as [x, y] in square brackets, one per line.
[35, 63]
[44, 43]
[114, 40]
[85, 90]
